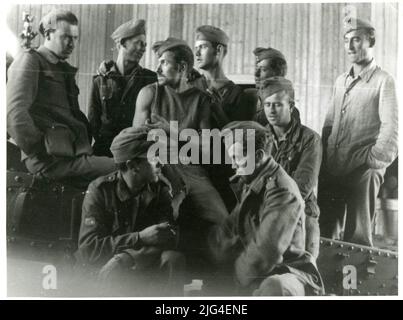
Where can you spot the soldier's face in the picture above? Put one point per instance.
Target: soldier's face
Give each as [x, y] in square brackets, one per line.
[134, 48]
[278, 109]
[149, 169]
[263, 70]
[206, 55]
[63, 40]
[168, 70]
[357, 46]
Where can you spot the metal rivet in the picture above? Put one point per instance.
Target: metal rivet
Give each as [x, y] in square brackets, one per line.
[379, 253]
[341, 246]
[361, 249]
[351, 248]
[370, 251]
[359, 282]
[330, 243]
[388, 254]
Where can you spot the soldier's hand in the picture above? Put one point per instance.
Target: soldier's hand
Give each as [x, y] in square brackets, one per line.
[156, 234]
[157, 122]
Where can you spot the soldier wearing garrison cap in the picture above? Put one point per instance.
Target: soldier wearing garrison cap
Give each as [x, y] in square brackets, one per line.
[360, 137]
[44, 118]
[175, 98]
[297, 148]
[127, 221]
[230, 103]
[117, 84]
[262, 241]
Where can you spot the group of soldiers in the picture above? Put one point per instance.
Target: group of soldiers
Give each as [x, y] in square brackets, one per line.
[144, 219]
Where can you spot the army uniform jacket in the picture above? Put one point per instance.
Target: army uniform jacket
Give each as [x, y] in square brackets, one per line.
[42, 105]
[265, 233]
[112, 218]
[112, 103]
[300, 155]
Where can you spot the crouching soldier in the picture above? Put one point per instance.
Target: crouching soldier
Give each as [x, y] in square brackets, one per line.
[127, 229]
[263, 240]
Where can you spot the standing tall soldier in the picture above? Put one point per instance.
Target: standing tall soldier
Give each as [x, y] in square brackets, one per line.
[360, 139]
[115, 88]
[44, 117]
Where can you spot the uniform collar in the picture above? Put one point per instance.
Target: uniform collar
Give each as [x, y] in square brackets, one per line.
[54, 59]
[124, 194]
[292, 132]
[114, 71]
[365, 73]
[264, 173]
[267, 170]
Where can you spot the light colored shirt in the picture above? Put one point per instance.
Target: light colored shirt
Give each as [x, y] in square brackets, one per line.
[362, 121]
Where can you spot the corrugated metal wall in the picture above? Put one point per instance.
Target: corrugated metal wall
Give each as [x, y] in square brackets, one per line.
[310, 36]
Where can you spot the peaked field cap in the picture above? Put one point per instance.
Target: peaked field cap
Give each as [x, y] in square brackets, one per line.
[212, 34]
[351, 24]
[159, 47]
[129, 144]
[129, 29]
[273, 85]
[49, 21]
[267, 53]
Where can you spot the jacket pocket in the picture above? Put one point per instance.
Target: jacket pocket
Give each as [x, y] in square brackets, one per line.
[59, 141]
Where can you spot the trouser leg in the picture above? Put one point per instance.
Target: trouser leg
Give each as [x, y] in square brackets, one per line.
[173, 265]
[286, 284]
[312, 235]
[363, 187]
[332, 206]
[82, 169]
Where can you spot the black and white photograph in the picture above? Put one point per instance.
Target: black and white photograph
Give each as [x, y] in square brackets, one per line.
[182, 150]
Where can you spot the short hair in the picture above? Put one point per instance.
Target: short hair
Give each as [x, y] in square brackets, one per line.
[183, 53]
[49, 22]
[279, 66]
[216, 44]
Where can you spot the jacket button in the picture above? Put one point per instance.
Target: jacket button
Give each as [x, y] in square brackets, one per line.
[289, 158]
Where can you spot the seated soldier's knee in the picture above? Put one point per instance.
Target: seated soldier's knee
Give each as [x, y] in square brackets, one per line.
[281, 285]
[173, 259]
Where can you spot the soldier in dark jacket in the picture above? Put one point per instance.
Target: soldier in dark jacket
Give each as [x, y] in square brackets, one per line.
[115, 88]
[44, 118]
[263, 240]
[296, 148]
[127, 222]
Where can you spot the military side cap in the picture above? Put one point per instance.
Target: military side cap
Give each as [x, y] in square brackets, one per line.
[351, 24]
[212, 34]
[129, 29]
[49, 21]
[160, 47]
[130, 143]
[267, 53]
[273, 85]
